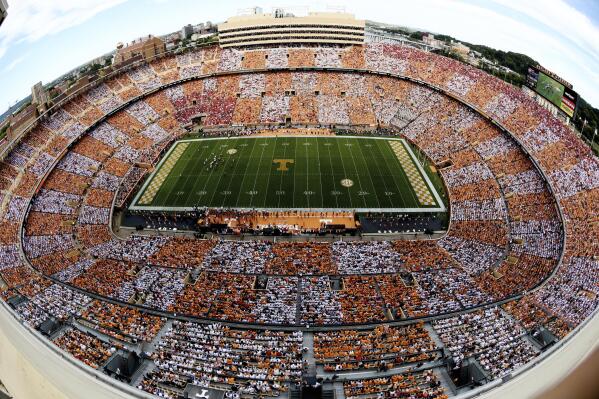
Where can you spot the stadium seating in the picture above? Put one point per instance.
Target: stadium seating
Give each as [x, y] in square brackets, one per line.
[520, 199]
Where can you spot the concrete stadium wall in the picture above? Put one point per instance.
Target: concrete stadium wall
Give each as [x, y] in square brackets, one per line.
[546, 373]
[32, 368]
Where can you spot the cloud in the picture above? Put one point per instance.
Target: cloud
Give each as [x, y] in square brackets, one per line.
[563, 40]
[558, 36]
[14, 63]
[563, 21]
[31, 20]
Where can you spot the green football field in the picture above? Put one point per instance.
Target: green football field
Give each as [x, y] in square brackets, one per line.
[324, 173]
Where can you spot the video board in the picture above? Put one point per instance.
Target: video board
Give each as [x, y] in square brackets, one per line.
[552, 90]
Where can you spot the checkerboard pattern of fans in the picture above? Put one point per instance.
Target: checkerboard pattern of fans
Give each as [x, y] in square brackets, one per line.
[520, 195]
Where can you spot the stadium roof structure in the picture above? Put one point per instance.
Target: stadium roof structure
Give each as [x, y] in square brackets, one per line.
[3, 11]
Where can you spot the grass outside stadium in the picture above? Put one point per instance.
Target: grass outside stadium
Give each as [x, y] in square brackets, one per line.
[326, 173]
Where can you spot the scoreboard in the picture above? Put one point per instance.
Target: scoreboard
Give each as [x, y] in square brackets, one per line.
[553, 89]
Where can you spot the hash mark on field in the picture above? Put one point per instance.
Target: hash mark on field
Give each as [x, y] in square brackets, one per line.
[232, 175]
[220, 176]
[360, 180]
[335, 193]
[319, 175]
[280, 191]
[257, 174]
[380, 174]
[247, 164]
[307, 176]
[351, 202]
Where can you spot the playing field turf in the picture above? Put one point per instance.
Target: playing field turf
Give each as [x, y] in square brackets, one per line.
[325, 173]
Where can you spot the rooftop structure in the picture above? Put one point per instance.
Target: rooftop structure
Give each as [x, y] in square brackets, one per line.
[3, 8]
[147, 47]
[279, 27]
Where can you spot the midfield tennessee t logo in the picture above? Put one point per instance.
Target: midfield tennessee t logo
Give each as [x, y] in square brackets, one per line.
[283, 164]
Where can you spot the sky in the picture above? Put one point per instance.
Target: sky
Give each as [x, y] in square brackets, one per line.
[43, 39]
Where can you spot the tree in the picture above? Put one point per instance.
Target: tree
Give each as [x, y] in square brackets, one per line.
[416, 35]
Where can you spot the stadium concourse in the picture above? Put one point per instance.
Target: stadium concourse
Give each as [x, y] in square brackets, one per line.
[176, 315]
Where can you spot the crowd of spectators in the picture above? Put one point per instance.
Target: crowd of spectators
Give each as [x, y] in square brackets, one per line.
[122, 322]
[156, 287]
[301, 259]
[392, 346]
[252, 362]
[496, 341]
[319, 302]
[412, 384]
[505, 236]
[366, 258]
[85, 347]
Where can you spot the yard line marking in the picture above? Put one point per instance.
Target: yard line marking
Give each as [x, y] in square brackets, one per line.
[257, 173]
[274, 148]
[294, 169]
[193, 174]
[285, 145]
[380, 174]
[358, 176]
[366, 165]
[247, 164]
[224, 150]
[307, 173]
[207, 179]
[351, 202]
[319, 174]
[387, 148]
[334, 184]
[233, 174]
[173, 187]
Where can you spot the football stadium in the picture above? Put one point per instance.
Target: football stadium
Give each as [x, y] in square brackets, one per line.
[329, 217]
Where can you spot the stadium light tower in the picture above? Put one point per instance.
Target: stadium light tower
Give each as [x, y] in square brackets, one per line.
[3, 8]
